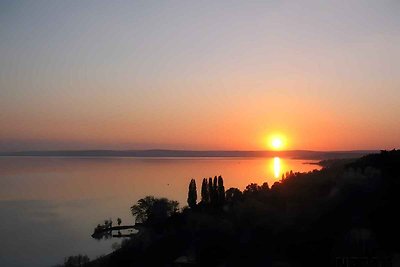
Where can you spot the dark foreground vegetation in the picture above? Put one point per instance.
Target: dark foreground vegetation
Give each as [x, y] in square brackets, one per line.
[343, 215]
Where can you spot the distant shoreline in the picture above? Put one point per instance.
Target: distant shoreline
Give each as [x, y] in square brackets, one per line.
[294, 154]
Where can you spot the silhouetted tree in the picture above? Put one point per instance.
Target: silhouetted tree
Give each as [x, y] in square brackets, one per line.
[119, 221]
[233, 195]
[108, 223]
[142, 209]
[150, 209]
[252, 188]
[210, 190]
[192, 194]
[264, 187]
[205, 196]
[162, 209]
[221, 190]
[214, 194]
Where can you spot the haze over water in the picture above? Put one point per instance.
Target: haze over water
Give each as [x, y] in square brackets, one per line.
[51, 205]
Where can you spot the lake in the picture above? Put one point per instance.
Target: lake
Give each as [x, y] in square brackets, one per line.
[50, 205]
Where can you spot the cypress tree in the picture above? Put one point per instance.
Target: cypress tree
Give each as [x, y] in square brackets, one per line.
[205, 198]
[192, 194]
[221, 190]
[215, 191]
[210, 190]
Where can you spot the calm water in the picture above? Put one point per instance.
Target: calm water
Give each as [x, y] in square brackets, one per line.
[49, 206]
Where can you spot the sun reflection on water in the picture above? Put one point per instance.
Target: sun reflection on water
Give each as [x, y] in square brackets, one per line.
[277, 167]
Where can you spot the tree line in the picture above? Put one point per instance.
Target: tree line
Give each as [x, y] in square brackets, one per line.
[338, 215]
[212, 192]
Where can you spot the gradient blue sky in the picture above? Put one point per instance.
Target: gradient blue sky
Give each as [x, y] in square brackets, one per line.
[199, 74]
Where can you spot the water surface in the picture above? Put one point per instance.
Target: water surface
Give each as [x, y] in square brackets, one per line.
[50, 205]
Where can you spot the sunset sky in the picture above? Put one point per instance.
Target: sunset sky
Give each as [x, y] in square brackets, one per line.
[325, 75]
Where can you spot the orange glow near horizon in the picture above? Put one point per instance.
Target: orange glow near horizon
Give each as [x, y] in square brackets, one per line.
[207, 88]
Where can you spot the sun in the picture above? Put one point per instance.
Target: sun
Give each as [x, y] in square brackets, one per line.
[277, 142]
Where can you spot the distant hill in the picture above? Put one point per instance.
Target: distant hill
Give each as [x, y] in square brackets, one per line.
[299, 154]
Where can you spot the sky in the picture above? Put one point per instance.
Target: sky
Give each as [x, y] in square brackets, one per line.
[325, 75]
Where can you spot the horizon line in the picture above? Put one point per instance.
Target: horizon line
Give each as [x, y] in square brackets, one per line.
[187, 150]
[161, 153]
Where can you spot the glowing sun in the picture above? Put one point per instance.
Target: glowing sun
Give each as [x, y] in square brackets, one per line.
[276, 142]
